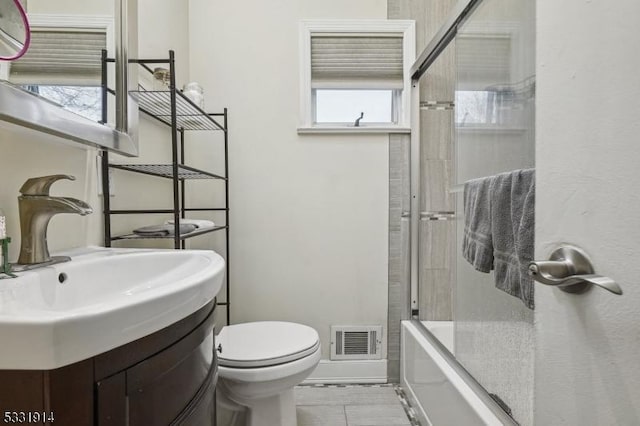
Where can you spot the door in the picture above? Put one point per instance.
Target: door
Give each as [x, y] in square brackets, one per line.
[587, 360]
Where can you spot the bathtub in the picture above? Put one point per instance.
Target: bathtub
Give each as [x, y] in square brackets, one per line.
[440, 390]
[443, 331]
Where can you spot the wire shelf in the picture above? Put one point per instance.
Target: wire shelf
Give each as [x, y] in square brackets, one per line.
[188, 115]
[192, 234]
[166, 171]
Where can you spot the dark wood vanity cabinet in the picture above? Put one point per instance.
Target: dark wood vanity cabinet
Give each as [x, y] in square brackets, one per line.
[166, 378]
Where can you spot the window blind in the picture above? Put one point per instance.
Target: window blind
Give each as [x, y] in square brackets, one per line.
[356, 61]
[61, 56]
[483, 60]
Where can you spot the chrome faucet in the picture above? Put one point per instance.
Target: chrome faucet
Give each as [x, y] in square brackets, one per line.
[36, 208]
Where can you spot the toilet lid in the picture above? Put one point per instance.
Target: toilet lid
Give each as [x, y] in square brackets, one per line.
[265, 343]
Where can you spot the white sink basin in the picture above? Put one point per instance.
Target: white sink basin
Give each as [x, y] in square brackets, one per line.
[107, 297]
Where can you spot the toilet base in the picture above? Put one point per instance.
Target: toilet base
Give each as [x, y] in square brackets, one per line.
[273, 410]
[277, 410]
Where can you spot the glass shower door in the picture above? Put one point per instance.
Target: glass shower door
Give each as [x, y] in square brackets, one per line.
[477, 117]
[494, 133]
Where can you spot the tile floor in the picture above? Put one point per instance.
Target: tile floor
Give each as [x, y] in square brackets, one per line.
[353, 405]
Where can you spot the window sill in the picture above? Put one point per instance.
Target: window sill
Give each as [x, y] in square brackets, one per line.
[353, 130]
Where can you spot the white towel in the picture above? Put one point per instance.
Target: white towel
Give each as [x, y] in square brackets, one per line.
[198, 223]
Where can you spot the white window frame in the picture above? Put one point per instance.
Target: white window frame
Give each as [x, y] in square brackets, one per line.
[311, 27]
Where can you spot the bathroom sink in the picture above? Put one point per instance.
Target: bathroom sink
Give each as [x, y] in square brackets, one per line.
[103, 298]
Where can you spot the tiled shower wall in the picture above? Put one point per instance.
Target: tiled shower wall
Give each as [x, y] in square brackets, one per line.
[399, 256]
[435, 236]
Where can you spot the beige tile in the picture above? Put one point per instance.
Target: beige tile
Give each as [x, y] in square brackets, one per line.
[428, 14]
[396, 154]
[435, 295]
[395, 198]
[438, 83]
[436, 134]
[436, 182]
[309, 395]
[439, 11]
[377, 415]
[321, 415]
[436, 239]
[411, 9]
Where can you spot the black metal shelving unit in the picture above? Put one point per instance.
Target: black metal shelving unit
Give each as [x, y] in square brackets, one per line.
[175, 110]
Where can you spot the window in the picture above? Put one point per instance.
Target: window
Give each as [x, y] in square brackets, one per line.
[354, 75]
[63, 63]
[346, 106]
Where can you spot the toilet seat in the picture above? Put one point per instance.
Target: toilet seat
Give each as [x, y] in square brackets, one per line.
[265, 344]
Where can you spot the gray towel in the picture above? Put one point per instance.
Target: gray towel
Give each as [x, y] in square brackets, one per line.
[477, 241]
[163, 230]
[512, 223]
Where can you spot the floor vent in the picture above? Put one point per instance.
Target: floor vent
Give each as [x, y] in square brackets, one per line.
[356, 342]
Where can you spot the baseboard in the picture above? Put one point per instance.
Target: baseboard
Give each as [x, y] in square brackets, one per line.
[336, 372]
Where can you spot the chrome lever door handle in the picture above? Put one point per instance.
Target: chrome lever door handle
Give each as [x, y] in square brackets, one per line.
[570, 270]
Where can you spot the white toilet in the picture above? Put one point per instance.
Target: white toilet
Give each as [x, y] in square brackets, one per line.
[259, 365]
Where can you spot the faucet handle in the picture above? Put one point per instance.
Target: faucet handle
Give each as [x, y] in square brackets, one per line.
[41, 185]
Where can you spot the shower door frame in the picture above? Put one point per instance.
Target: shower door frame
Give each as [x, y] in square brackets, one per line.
[427, 57]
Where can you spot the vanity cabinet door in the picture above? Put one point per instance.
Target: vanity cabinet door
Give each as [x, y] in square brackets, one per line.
[112, 401]
[202, 410]
[161, 388]
[164, 388]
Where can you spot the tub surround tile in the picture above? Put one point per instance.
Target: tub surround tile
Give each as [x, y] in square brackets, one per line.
[436, 128]
[438, 83]
[436, 181]
[428, 14]
[399, 291]
[435, 298]
[412, 9]
[436, 239]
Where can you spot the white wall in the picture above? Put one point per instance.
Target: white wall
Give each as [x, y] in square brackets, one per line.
[23, 156]
[309, 213]
[588, 121]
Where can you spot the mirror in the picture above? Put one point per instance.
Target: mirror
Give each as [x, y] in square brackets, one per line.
[14, 30]
[63, 69]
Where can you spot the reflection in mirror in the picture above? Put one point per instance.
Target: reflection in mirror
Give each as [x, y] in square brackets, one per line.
[14, 30]
[63, 67]
[63, 64]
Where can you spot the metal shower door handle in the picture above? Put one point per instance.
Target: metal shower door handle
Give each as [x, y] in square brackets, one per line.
[570, 270]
